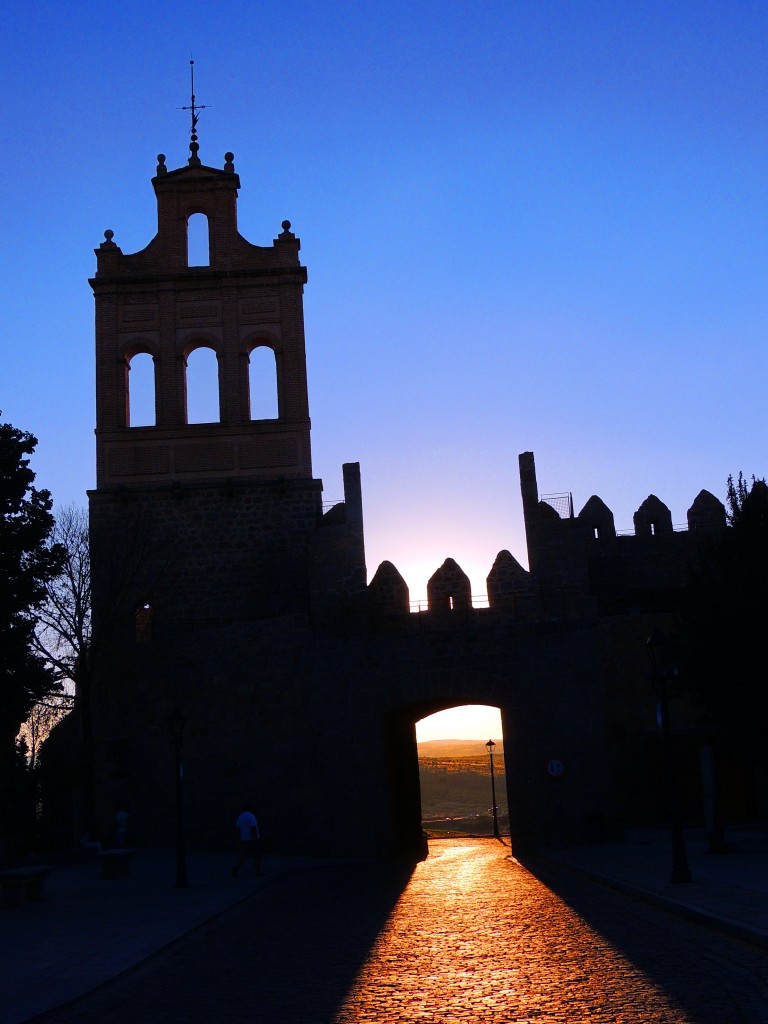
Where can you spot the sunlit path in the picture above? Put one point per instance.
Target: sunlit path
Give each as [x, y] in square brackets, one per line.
[475, 937]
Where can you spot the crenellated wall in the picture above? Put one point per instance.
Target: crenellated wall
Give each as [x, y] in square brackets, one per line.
[579, 565]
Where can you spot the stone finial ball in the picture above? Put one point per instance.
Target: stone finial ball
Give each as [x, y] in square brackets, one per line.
[109, 234]
[286, 225]
[229, 157]
[161, 158]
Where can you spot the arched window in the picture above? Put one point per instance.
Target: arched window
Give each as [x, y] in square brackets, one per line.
[198, 241]
[262, 383]
[141, 391]
[202, 386]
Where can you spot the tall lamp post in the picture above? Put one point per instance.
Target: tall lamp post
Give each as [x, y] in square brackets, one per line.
[176, 724]
[657, 645]
[491, 746]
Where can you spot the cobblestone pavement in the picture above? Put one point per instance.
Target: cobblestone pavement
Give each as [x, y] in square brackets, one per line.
[471, 936]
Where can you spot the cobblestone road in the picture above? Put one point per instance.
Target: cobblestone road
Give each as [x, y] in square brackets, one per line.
[470, 937]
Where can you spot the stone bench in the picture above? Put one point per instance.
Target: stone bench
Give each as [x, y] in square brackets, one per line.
[116, 863]
[23, 885]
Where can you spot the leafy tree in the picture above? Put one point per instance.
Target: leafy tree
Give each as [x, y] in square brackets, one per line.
[748, 506]
[27, 565]
[725, 624]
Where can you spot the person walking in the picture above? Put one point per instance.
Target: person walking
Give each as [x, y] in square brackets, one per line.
[250, 840]
[121, 825]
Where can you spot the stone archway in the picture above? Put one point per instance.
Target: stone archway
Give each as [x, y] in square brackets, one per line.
[408, 838]
[548, 683]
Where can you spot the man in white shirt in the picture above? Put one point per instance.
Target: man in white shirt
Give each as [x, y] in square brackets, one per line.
[250, 840]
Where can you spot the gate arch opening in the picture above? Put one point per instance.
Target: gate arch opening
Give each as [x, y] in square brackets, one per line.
[462, 772]
[409, 837]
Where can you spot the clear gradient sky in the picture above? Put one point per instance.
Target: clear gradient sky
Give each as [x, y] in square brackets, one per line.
[529, 225]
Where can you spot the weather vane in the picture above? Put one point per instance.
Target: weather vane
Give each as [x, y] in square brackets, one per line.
[195, 109]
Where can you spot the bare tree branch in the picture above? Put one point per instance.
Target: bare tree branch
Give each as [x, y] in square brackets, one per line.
[63, 631]
[63, 634]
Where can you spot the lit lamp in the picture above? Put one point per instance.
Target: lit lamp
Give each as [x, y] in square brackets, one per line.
[657, 646]
[176, 724]
[490, 747]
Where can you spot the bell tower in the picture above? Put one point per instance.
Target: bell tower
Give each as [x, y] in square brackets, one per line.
[154, 302]
[213, 563]
[215, 522]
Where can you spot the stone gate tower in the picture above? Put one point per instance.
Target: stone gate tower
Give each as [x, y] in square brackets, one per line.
[239, 491]
[208, 539]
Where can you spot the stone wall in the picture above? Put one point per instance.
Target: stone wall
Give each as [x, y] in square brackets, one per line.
[301, 686]
[223, 589]
[318, 729]
[201, 555]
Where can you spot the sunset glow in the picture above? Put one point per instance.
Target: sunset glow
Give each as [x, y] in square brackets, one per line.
[470, 722]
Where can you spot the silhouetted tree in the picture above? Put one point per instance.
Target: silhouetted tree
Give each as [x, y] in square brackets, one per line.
[27, 564]
[725, 624]
[63, 638]
[63, 634]
[43, 717]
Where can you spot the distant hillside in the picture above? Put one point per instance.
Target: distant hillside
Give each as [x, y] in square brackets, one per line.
[458, 748]
[455, 780]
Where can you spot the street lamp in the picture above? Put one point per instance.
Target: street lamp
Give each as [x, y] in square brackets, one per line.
[176, 724]
[491, 746]
[656, 645]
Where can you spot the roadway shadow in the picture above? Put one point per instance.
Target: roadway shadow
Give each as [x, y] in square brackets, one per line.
[680, 956]
[289, 953]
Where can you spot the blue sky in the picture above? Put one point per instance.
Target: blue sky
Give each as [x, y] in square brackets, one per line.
[529, 225]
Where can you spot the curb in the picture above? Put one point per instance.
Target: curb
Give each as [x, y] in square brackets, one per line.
[688, 911]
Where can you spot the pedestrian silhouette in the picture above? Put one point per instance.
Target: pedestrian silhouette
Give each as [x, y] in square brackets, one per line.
[121, 825]
[250, 840]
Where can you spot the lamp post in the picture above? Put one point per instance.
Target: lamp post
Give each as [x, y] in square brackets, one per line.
[176, 724]
[491, 746]
[656, 644]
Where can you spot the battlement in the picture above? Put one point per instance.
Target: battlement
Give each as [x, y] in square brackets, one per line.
[580, 566]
